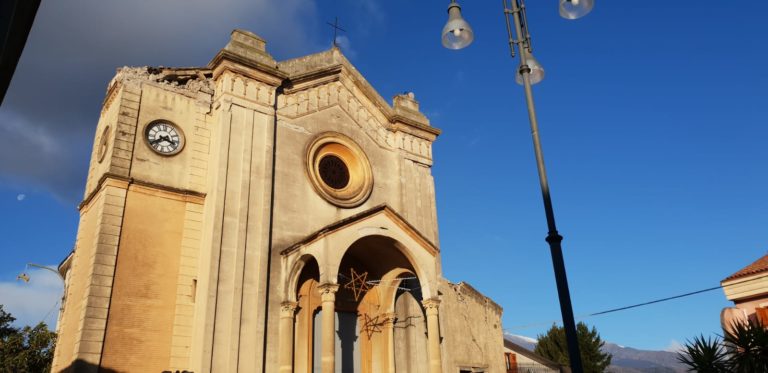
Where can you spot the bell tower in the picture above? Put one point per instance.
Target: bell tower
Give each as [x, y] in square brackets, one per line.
[131, 287]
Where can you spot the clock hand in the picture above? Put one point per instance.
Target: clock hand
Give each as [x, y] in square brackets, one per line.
[160, 139]
[168, 138]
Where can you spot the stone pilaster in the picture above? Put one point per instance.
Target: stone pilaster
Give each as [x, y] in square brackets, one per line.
[388, 331]
[287, 313]
[328, 344]
[433, 335]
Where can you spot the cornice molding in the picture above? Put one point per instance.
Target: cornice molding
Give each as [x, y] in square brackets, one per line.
[110, 179]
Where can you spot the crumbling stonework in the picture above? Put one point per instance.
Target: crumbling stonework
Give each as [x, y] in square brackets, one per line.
[231, 254]
[473, 321]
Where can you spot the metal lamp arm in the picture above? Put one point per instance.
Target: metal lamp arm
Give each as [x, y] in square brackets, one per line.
[524, 39]
[48, 269]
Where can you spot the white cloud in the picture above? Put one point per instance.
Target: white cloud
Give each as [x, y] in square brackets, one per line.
[474, 142]
[368, 15]
[49, 115]
[34, 136]
[372, 8]
[675, 346]
[34, 301]
[344, 44]
[521, 337]
[35, 152]
[528, 339]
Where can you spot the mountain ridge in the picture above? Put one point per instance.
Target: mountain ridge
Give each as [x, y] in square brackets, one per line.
[625, 359]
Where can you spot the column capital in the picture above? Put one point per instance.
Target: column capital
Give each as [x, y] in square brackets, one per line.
[431, 304]
[328, 291]
[288, 307]
[433, 335]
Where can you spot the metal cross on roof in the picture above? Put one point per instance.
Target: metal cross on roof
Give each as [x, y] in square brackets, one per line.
[336, 28]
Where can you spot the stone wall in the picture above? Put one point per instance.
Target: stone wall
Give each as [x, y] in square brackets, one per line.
[470, 324]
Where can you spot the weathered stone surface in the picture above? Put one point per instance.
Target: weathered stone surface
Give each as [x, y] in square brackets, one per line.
[224, 256]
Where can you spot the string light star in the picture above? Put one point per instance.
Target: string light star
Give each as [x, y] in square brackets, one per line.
[358, 284]
[372, 325]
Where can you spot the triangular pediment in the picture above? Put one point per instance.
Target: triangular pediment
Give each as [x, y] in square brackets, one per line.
[328, 80]
[298, 88]
[331, 65]
[354, 222]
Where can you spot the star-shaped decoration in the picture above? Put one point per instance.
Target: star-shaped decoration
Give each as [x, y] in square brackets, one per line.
[358, 284]
[372, 324]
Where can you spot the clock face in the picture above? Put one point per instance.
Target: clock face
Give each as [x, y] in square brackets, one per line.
[164, 138]
[103, 144]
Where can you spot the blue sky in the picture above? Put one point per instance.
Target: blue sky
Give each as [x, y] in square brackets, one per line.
[653, 117]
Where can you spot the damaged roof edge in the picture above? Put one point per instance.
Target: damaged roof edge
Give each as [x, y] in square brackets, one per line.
[476, 293]
[318, 61]
[331, 60]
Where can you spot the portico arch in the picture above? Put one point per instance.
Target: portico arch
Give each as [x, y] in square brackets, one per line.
[421, 263]
[363, 263]
[329, 244]
[294, 274]
[371, 272]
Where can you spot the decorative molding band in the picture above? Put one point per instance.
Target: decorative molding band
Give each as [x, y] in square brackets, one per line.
[241, 85]
[110, 179]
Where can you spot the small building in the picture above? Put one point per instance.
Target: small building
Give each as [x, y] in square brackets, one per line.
[519, 359]
[748, 290]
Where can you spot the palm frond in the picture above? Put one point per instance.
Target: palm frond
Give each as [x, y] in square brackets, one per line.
[704, 355]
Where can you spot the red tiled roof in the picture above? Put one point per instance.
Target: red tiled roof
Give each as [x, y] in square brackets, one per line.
[760, 265]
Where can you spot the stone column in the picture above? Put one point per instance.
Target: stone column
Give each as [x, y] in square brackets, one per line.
[287, 313]
[328, 344]
[433, 335]
[388, 356]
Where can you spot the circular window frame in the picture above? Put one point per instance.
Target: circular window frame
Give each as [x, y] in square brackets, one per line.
[182, 137]
[333, 171]
[360, 184]
[101, 152]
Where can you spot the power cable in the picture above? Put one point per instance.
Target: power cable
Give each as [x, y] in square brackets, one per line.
[49, 312]
[652, 302]
[632, 306]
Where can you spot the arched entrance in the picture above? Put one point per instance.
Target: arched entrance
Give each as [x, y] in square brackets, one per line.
[372, 274]
[360, 300]
[380, 325]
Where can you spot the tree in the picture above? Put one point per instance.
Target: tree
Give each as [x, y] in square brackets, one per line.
[553, 346]
[747, 345]
[704, 355]
[743, 349]
[29, 349]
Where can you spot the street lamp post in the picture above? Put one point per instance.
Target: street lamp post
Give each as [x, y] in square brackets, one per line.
[25, 277]
[458, 34]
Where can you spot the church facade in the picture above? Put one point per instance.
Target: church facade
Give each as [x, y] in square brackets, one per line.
[264, 216]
